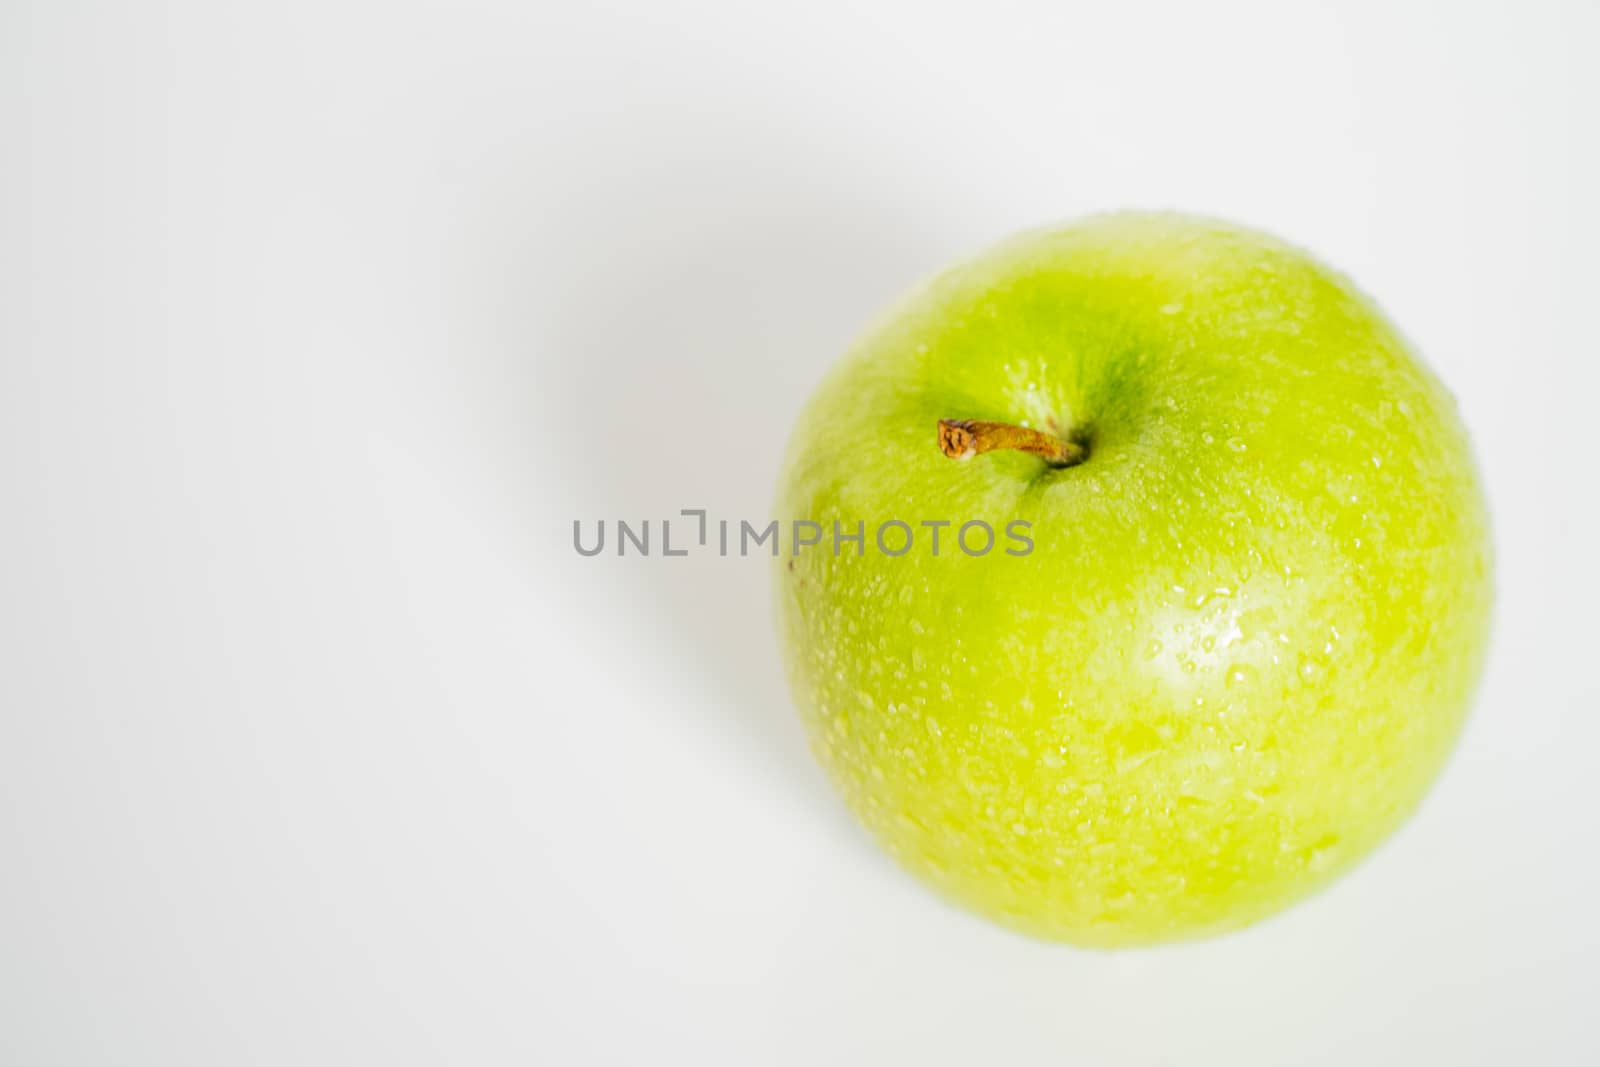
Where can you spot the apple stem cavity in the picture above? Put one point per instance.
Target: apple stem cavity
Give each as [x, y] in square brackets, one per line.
[961, 438]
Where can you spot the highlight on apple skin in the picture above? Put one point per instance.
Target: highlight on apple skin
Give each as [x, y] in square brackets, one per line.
[1255, 610]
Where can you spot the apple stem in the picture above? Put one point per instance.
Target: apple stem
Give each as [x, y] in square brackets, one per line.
[959, 438]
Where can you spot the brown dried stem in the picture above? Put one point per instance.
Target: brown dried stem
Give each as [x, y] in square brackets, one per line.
[959, 438]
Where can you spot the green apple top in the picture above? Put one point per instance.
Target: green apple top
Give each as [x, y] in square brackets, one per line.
[1235, 604]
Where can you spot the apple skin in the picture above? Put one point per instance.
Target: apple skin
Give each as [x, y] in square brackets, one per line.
[1248, 632]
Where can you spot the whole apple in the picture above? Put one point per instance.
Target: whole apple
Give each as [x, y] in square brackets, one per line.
[1233, 603]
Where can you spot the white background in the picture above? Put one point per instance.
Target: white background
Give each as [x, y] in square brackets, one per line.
[321, 320]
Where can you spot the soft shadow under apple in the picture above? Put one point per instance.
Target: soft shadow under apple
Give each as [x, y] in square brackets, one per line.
[659, 329]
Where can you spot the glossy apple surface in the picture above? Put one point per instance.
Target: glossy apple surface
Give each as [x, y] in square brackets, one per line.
[1252, 618]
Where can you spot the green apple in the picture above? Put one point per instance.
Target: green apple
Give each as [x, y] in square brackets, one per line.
[1255, 606]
